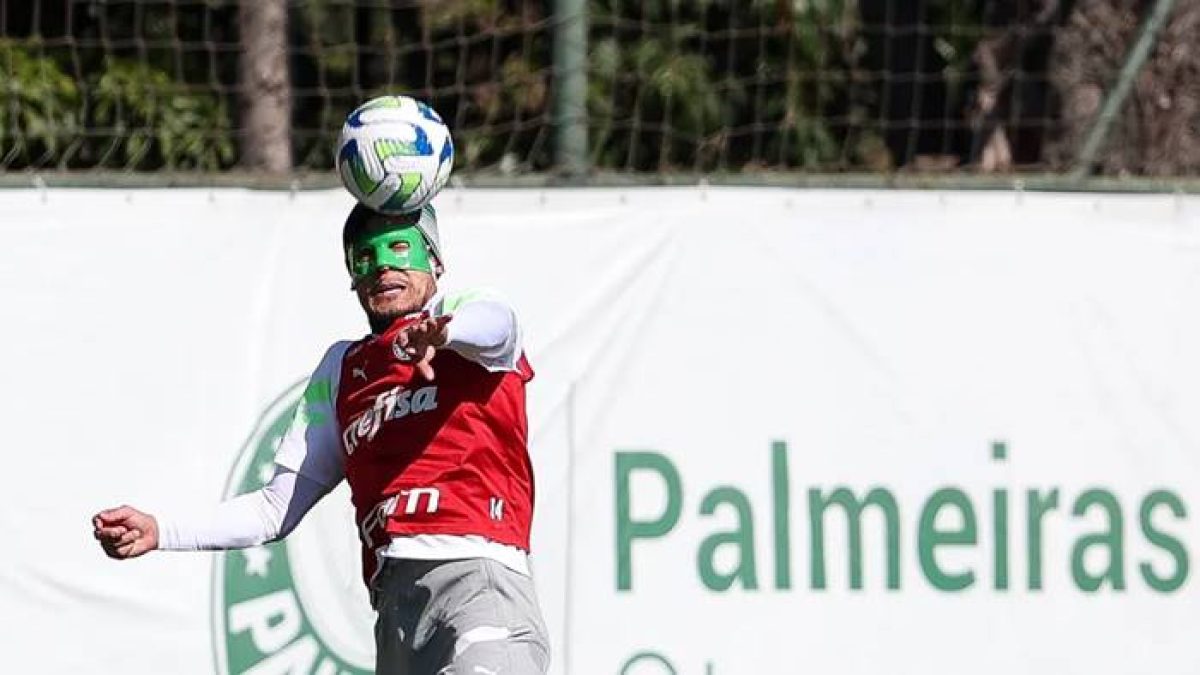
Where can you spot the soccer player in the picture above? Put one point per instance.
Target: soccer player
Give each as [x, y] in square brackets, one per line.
[425, 419]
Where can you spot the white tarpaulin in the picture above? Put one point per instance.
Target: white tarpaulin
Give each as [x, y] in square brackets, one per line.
[774, 431]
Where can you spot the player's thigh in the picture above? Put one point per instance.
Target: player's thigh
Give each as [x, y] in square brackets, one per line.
[497, 627]
[512, 655]
[404, 627]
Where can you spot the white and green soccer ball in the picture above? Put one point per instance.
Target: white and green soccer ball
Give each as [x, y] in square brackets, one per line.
[394, 154]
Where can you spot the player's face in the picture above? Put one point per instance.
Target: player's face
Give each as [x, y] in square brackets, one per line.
[391, 293]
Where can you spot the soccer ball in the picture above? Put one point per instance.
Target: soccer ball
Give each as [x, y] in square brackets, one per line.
[394, 154]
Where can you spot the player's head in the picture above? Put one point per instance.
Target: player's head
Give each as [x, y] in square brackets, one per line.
[394, 261]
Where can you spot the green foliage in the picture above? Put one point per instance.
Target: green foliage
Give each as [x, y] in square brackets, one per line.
[156, 120]
[666, 92]
[703, 85]
[39, 107]
[670, 92]
[957, 28]
[811, 55]
[328, 30]
[706, 85]
[440, 16]
[137, 117]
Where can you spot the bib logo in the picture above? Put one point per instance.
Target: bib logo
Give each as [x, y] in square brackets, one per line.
[393, 404]
[297, 605]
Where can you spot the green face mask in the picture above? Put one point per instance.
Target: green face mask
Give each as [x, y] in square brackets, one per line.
[388, 245]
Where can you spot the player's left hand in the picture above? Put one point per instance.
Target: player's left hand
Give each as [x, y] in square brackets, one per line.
[420, 340]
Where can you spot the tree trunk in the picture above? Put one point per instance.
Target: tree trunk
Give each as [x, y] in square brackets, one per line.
[1157, 132]
[266, 96]
[1010, 110]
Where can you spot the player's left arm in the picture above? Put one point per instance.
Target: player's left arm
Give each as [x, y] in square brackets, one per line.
[480, 325]
[485, 329]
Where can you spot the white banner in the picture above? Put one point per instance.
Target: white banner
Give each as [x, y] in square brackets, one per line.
[774, 431]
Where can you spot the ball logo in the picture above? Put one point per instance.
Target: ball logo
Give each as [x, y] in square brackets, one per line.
[298, 605]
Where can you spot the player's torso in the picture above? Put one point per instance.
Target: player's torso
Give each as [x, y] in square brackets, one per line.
[446, 456]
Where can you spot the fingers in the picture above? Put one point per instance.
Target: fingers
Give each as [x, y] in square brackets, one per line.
[129, 547]
[128, 538]
[436, 324]
[433, 330]
[416, 333]
[409, 345]
[130, 544]
[424, 335]
[426, 370]
[111, 524]
[425, 364]
[438, 334]
[110, 533]
[431, 326]
[110, 550]
[113, 516]
[124, 532]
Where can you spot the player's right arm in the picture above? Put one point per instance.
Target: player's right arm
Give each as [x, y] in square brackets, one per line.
[251, 519]
[308, 465]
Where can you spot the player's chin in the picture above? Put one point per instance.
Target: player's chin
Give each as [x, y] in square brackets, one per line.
[385, 304]
[384, 315]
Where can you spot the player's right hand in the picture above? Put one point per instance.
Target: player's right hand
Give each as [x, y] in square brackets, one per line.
[125, 532]
[420, 340]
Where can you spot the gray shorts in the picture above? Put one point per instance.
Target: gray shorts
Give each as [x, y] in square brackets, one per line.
[457, 617]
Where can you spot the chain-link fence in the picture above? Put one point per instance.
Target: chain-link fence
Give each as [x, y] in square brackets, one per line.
[746, 87]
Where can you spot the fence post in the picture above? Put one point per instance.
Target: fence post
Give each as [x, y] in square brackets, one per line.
[570, 87]
[1116, 98]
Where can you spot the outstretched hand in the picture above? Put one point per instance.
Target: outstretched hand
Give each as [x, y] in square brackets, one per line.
[420, 340]
[125, 532]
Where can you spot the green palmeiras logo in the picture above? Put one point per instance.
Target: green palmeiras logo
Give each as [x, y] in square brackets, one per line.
[299, 605]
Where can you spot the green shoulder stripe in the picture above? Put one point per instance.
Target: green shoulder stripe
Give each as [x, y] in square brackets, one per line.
[317, 394]
[451, 302]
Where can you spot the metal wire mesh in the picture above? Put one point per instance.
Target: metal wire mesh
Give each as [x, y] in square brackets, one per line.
[695, 86]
